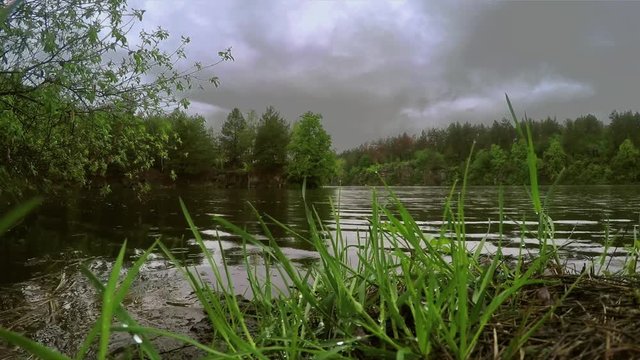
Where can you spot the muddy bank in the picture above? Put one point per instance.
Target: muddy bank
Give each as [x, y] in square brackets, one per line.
[59, 309]
[584, 316]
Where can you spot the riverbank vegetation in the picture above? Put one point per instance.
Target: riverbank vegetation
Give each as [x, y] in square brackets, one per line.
[394, 292]
[577, 151]
[247, 152]
[75, 86]
[84, 100]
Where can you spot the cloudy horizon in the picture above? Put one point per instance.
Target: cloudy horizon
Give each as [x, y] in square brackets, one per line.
[379, 68]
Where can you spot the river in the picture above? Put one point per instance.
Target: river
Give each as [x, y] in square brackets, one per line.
[87, 225]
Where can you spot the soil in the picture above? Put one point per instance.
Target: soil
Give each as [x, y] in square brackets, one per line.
[586, 317]
[59, 310]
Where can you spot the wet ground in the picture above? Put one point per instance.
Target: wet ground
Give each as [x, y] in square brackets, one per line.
[58, 310]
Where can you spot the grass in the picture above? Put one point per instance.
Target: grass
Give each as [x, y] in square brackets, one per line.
[394, 293]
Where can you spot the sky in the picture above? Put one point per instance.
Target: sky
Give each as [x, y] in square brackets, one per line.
[377, 68]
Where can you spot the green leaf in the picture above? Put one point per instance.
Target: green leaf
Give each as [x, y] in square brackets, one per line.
[93, 34]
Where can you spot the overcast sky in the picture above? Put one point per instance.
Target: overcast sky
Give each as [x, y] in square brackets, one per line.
[378, 68]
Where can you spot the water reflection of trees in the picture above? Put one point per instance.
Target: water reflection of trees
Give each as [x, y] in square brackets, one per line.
[277, 206]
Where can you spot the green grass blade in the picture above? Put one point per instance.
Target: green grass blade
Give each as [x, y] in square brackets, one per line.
[517, 342]
[121, 314]
[86, 344]
[31, 346]
[525, 135]
[182, 338]
[133, 271]
[108, 304]
[10, 219]
[211, 301]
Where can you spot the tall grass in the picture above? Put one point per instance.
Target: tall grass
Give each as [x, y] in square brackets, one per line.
[407, 294]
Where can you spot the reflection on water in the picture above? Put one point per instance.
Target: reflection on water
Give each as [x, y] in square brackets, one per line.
[85, 225]
[584, 217]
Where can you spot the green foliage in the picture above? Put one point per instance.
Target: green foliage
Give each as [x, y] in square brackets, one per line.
[581, 137]
[543, 131]
[502, 133]
[5, 11]
[516, 165]
[554, 159]
[272, 139]
[310, 153]
[586, 172]
[236, 140]
[498, 161]
[626, 163]
[458, 142]
[70, 90]
[584, 147]
[194, 151]
[479, 169]
[625, 125]
[489, 166]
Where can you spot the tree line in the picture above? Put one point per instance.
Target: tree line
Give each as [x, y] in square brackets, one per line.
[82, 102]
[578, 151]
[249, 150]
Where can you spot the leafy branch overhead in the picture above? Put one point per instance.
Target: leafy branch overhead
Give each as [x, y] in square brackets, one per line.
[75, 76]
[87, 51]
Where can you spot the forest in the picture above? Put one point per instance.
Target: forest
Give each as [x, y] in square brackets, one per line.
[85, 102]
[578, 151]
[248, 151]
[170, 148]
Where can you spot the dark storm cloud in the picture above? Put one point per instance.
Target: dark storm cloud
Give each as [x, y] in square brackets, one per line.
[377, 68]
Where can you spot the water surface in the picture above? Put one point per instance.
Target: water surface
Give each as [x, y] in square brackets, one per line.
[85, 225]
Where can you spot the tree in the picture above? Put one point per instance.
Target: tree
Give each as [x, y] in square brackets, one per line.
[72, 83]
[626, 163]
[543, 131]
[489, 166]
[516, 166]
[498, 162]
[272, 139]
[480, 168]
[554, 159]
[252, 119]
[428, 164]
[459, 140]
[236, 140]
[310, 154]
[582, 137]
[193, 152]
[624, 125]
